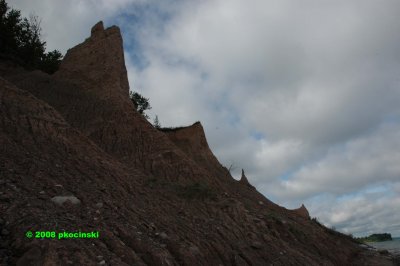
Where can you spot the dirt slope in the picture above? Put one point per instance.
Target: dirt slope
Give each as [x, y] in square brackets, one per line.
[156, 198]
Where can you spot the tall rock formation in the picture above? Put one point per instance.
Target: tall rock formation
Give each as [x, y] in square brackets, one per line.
[91, 90]
[98, 60]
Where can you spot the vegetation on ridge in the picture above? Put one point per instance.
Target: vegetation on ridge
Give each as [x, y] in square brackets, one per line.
[171, 129]
[20, 40]
[156, 122]
[141, 103]
[375, 238]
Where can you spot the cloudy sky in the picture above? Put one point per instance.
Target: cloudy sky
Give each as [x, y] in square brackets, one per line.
[304, 95]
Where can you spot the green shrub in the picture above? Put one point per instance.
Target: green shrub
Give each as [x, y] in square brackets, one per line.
[141, 103]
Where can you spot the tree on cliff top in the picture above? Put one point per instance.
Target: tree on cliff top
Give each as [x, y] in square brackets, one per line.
[141, 103]
[156, 122]
[20, 41]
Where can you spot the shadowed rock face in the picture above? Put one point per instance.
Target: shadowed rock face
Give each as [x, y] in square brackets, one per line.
[156, 198]
[303, 211]
[91, 92]
[192, 141]
[98, 61]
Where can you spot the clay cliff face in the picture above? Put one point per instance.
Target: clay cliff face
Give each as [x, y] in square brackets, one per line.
[99, 60]
[192, 141]
[303, 211]
[91, 92]
[156, 198]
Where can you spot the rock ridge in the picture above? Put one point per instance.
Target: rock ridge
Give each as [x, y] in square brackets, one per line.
[92, 79]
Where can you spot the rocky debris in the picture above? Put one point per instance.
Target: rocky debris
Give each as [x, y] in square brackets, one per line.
[383, 251]
[5, 232]
[256, 245]
[163, 235]
[60, 200]
[373, 257]
[31, 257]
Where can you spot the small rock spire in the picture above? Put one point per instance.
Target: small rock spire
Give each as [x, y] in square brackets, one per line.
[303, 211]
[99, 27]
[244, 180]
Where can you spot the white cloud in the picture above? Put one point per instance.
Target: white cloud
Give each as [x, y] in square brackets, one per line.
[350, 167]
[362, 214]
[275, 158]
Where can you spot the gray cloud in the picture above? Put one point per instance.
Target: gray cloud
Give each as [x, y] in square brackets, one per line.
[374, 210]
[372, 159]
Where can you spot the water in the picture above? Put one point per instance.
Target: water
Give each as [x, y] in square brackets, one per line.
[392, 246]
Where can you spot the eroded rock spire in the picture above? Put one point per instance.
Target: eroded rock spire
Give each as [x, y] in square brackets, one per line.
[244, 180]
[98, 62]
